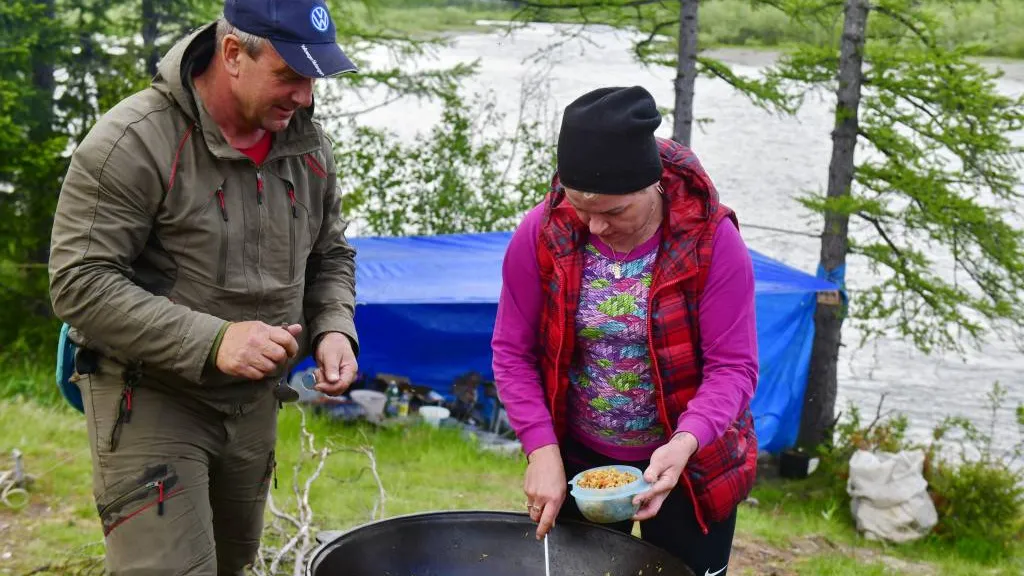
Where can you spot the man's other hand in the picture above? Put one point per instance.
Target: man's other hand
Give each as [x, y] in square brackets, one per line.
[336, 364]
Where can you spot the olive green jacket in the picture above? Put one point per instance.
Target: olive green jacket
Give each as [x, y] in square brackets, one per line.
[164, 232]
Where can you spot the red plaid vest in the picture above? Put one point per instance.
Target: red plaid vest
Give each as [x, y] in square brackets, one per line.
[720, 475]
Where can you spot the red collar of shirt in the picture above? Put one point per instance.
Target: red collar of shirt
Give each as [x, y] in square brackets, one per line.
[258, 151]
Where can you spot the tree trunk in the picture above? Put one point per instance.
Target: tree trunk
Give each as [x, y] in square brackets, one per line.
[42, 79]
[44, 54]
[686, 72]
[150, 29]
[820, 398]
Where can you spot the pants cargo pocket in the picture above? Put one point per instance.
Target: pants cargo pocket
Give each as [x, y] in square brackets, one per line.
[150, 524]
[131, 497]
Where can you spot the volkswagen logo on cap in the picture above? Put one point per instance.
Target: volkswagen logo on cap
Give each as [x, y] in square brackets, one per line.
[302, 32]
[320, 19]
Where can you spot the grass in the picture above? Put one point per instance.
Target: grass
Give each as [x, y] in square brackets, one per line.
[790, 511]
[423, 470]
[60, 515]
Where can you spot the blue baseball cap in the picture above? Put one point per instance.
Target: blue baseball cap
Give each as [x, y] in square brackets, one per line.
[302, 32]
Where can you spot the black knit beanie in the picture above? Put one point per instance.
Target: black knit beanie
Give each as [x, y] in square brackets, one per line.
[606, 144]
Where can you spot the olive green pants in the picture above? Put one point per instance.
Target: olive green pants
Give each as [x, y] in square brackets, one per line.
[180, 488]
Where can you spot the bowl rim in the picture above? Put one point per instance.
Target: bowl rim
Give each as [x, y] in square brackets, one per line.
[633, 488]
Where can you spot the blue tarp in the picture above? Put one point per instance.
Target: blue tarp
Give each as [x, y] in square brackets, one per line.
[426, 307]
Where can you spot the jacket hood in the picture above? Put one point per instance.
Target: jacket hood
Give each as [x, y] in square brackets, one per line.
[195, 48]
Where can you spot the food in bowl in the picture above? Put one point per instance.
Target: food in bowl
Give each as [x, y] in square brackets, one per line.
[603, 478]
[605, 494]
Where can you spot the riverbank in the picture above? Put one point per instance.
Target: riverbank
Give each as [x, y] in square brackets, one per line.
[998, 28]
[789, 531]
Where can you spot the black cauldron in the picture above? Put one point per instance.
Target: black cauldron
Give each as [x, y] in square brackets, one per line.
[480, 543]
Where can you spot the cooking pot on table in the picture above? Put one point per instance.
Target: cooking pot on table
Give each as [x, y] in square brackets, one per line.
[482, 543]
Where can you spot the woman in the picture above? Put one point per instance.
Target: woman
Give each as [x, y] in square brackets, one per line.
[625, 331]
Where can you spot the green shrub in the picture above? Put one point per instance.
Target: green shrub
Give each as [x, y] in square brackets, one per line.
[980, 506]
[469, 173]
[980, 499]
[977, 489]
[887, 432]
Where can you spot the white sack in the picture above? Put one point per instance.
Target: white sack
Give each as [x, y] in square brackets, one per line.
[889, 495]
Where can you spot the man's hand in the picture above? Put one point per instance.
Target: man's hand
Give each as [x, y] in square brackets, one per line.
[545, 487]
[667, 464]
[336, 364]
[255, 350]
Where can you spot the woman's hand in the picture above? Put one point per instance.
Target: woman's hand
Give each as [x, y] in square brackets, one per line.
[545, 486]
[667, 464]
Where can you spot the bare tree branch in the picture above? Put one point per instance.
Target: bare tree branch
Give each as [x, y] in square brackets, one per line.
[289, 539]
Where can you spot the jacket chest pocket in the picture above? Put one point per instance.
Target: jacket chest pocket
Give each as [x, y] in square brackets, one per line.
[289, 238]
[201, 239]
[219, 222]
[298, 233]
[222, 245]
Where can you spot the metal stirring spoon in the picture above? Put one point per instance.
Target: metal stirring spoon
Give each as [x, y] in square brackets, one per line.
[547, 563]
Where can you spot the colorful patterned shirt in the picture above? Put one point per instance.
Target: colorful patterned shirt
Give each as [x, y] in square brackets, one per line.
[612, 405]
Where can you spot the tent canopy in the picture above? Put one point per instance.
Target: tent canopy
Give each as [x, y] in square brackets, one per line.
[426, 308]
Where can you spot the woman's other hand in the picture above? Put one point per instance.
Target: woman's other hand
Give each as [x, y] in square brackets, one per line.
[667, 464]
[545, 486]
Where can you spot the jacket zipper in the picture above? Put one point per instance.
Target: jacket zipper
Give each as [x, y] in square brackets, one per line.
[561, 344]
[660, 389]
[223, 263]
[259, 186]
[259, 236]
[291, 232]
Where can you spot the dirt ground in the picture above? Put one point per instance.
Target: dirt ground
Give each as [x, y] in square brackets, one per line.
[754, 558]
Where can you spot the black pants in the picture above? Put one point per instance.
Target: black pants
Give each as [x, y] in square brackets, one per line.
[674, 529]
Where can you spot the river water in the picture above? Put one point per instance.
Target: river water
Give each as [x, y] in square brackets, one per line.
[759, 162]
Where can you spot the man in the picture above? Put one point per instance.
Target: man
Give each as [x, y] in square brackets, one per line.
[198, 250]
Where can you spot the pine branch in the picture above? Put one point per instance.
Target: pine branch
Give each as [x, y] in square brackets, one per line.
[585, 5]
[767, 94]
[921, 34]
[641, 48]
[877, 224]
